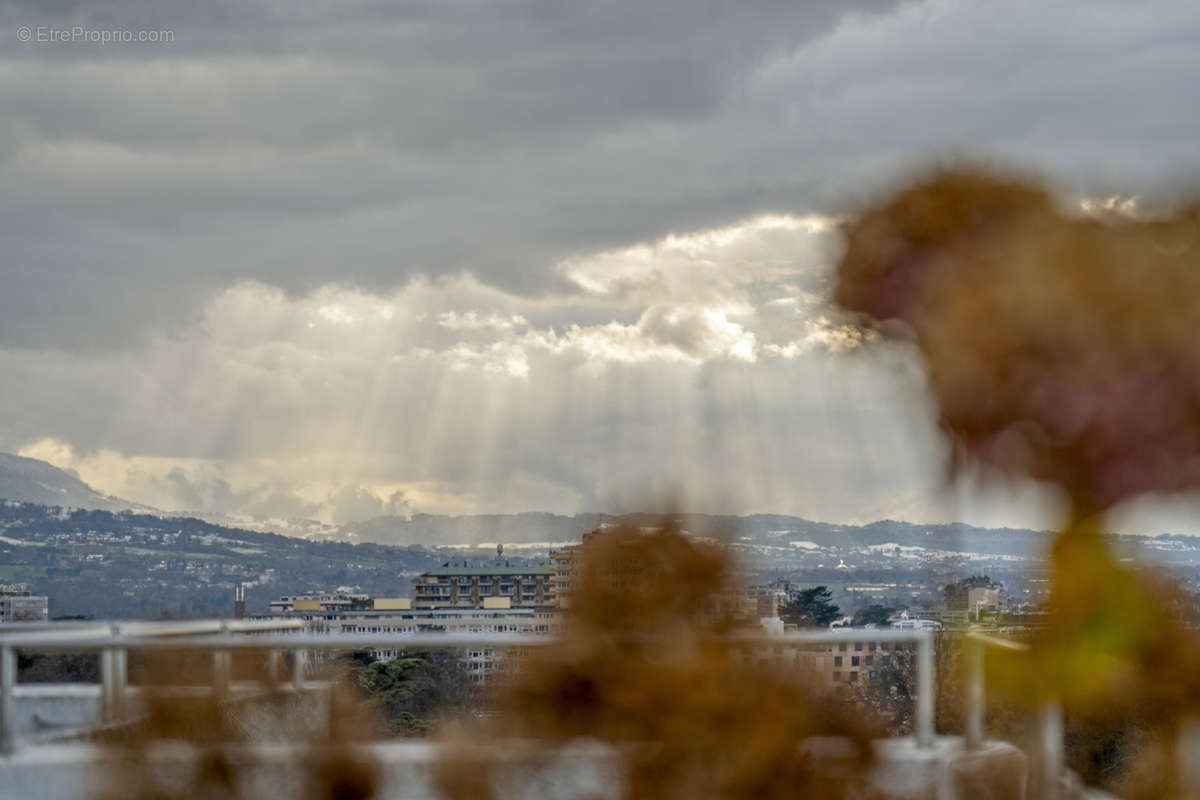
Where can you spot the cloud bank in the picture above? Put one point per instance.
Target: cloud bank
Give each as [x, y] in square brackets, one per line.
[360, 258]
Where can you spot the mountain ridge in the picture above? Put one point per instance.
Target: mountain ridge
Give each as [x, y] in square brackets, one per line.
[28, 480]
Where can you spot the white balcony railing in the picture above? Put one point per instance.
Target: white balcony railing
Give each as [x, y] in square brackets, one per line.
[113, 641]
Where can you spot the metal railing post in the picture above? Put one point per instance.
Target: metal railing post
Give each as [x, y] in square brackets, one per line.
[925, 689]
[120, 667]
[1050, 747]
[299, 656]
[8, 681]
[222, 667]
[108, 685]
[975, 695]
[113, 676]
[273, 669]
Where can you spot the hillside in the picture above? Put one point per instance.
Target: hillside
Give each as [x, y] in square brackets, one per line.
[769, 542]
[28, 480]
[537, 530]
[129, 565]
[106, 564]
[94, 557]
[772, 540]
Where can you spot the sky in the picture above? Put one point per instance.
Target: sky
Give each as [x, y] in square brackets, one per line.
[340, 259]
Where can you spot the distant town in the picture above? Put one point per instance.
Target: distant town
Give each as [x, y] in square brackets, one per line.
[114, 565]
[77, 564]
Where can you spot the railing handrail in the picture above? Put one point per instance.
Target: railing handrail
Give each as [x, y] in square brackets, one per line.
[991, 640]
[96, 635]
[212, 633]
[114, 640]
[82, 636]
[275, 641]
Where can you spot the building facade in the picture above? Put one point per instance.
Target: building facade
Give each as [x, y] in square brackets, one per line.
[318, 601]
[396, 615]
[973, 599]
[20, 605]
[457, 597]
[499, 584]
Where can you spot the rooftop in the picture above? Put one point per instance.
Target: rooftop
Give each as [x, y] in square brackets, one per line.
[456, 568]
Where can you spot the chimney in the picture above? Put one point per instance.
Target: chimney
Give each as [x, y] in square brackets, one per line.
[239, 601]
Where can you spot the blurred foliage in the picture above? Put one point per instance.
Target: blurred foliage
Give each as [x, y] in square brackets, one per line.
[1061, 348]
[1058, 347]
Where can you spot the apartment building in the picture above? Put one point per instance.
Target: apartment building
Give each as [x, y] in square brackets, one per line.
[18, 604]
[396, 615]
[564, 567]
[843, 664]
[973, 599]
[321, 602]
[498, 584]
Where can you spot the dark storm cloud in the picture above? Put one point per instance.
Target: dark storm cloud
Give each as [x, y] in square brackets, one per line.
[363, 142]
[368, 142]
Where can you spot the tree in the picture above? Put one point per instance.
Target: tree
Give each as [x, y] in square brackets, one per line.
[811, 609]
[872, 615]
[888, 692]
[58, 667]
[415, 688]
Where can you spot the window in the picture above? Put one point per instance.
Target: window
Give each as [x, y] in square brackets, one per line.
[870, 660]
[853, 677]
[858, 647]
[837, 661]
[885, 646]
[853, 662]
[837, 676]
[871, 647]
[842, 646]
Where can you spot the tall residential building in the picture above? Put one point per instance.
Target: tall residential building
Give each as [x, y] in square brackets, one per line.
[499, 584]
[971, 599]
[564, 565]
